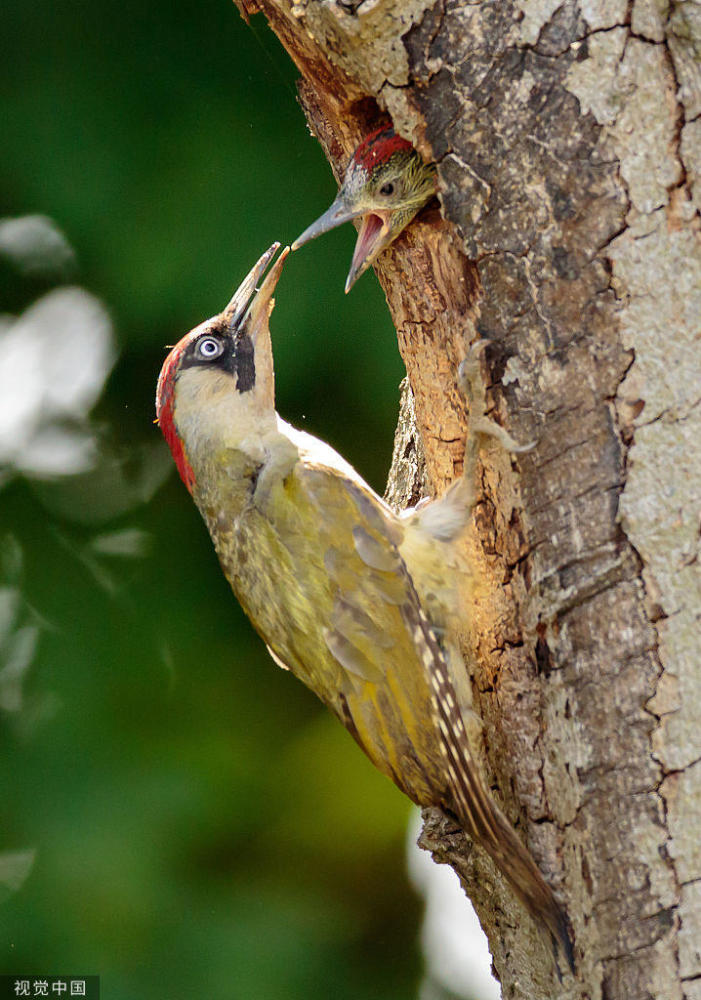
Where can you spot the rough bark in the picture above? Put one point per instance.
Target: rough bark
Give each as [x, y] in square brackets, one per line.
[568, 144]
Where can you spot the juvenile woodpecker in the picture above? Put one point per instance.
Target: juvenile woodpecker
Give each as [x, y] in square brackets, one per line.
[385, 184]
[359, 603]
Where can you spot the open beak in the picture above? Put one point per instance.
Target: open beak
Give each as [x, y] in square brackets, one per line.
[262, 303]
[373, 237]
[249, 303]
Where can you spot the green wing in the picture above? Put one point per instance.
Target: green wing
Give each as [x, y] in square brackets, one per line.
[344, 616]
[353, 627]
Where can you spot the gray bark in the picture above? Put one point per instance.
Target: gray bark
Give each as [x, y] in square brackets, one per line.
[568, 144]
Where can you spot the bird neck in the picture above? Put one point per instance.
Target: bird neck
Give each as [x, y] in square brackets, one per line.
[212, 416]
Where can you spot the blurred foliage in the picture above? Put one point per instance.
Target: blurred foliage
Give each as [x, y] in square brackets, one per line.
[178, 813]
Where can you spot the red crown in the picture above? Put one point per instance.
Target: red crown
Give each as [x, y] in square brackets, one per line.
[377, 147]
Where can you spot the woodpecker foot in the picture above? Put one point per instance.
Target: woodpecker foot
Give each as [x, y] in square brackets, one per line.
[472, 384]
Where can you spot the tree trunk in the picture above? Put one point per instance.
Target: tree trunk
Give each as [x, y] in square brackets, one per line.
[568, 144]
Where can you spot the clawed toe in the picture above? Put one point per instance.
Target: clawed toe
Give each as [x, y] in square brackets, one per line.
[470, 381]
[488, 428]
[469, 369]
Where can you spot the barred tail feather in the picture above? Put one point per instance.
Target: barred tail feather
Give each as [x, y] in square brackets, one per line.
[484, 821]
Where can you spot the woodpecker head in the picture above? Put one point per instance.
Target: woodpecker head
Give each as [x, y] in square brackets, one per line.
[217, 384]
[385, 185]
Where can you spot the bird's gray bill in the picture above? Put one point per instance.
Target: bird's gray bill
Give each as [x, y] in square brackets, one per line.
[335, 215]
[243, 294]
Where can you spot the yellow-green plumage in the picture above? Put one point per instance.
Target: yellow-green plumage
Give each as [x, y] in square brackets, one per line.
[354, 600]
[338, 623]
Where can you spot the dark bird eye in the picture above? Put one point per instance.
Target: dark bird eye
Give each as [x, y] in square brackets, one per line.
[209, 348]
[387, 188]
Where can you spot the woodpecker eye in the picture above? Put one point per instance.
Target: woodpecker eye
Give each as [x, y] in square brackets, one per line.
[387, 188]
[208, 348]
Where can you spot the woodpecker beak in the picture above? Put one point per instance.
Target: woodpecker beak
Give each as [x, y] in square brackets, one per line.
[338, 213]
[373, 237]
[261, 305]
[241, 300]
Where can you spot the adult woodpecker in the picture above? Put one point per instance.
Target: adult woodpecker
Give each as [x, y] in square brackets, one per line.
[356, 601]
[385, 184]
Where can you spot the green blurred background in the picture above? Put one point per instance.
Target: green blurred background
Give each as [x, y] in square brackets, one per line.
[201, 826]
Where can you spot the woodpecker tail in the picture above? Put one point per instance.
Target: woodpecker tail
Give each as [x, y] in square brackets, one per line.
[498, 838]
[484, 821]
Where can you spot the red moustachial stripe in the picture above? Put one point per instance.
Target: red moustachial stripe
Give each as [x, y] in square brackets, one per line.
[378, 147]
[164, 414]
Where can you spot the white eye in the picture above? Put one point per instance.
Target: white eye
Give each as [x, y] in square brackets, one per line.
[209, 348]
